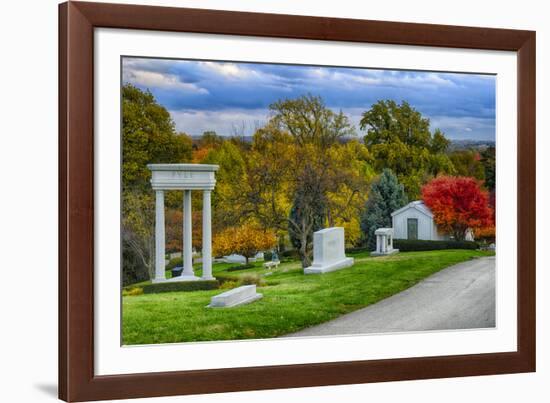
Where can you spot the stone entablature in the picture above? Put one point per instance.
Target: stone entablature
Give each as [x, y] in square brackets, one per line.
[183, 176]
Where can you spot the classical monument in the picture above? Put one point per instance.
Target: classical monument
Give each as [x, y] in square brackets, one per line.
[186, 177]
[384, 242]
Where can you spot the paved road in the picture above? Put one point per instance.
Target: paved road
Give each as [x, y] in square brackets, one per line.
[458, 297]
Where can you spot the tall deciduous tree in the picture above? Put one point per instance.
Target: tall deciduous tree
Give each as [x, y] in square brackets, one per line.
[386, 195]
[399, 138]
[458, 203]
[327, 176]
[307, 215]
[468, 163]
[309, 121]
[148, 136]
[138, 241]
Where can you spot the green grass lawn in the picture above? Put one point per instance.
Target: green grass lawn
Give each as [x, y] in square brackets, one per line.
[292, 300]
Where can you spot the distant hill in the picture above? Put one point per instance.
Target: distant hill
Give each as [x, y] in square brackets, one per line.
[455, 144]
[470, 145]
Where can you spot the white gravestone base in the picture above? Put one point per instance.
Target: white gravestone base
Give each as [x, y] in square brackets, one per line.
[235, 297]
[328, 251]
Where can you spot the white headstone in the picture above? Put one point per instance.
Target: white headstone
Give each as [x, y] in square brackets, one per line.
[234, 258]
[328, 251]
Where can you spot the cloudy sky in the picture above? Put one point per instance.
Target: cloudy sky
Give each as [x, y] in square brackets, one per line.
[228, 97]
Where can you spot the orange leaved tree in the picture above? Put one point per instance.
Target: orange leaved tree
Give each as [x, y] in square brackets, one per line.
[246, 240]
[458, 203]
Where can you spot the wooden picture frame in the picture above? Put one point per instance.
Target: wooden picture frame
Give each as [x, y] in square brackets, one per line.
[77, 21]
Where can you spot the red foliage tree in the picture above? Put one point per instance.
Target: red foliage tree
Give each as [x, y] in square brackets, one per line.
[458, 203]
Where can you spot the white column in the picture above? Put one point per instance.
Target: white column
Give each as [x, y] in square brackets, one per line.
[384, 243]
[391, 242]
[187, 235]
[206, 236]
[378, 243]
[159, 237]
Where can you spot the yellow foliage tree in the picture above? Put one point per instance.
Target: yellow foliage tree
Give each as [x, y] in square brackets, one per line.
[246, 240]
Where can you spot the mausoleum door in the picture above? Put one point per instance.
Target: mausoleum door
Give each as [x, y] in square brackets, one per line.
[412, 228]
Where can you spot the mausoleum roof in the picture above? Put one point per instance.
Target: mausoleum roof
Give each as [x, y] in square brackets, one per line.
[417, 205]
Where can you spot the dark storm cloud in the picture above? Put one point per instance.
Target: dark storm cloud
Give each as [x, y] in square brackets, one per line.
[203, 94]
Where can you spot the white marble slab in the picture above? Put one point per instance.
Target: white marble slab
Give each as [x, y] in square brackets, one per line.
[328, 251]
[235, 297]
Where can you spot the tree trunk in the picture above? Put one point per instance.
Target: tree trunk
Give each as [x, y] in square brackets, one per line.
[459, 233]
[303, 251]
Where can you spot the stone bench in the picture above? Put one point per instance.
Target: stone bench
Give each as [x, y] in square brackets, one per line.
[235, 297]
[271, 265]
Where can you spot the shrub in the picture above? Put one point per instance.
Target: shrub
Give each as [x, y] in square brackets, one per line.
[357, 249]
[240, 267]
[180, 286]
[485, 234]
[251, 278]
[227, 285]
[291, 253]
[409, 245]
[268, 256]
[132, 291]
[177, 261]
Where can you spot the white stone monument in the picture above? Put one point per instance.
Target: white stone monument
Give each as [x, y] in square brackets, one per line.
[186, 177]
[237, 296]
[384, 242]
[328, 251]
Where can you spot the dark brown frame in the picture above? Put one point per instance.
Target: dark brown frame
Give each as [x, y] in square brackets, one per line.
[77, 21]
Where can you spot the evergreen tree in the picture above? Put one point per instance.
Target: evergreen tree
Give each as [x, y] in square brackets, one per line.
[386, 195]
[489, 165]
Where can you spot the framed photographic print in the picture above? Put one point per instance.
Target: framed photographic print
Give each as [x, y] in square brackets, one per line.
[256, 201]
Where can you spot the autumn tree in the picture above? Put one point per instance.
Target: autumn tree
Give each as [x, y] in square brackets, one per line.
[320, 164]
[458, 203]
[227, 197]
[309, 121]
[307, 215]
[148, 136]
[399, 138]
[246, 240]
[351, 172]
[302, 141]
[174, 229]
[468, 163]
[138, 242]
[386, 195]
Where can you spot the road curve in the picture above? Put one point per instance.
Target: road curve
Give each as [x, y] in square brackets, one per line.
[461, 296]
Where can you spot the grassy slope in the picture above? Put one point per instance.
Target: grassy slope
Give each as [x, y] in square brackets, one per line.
[292, 301]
